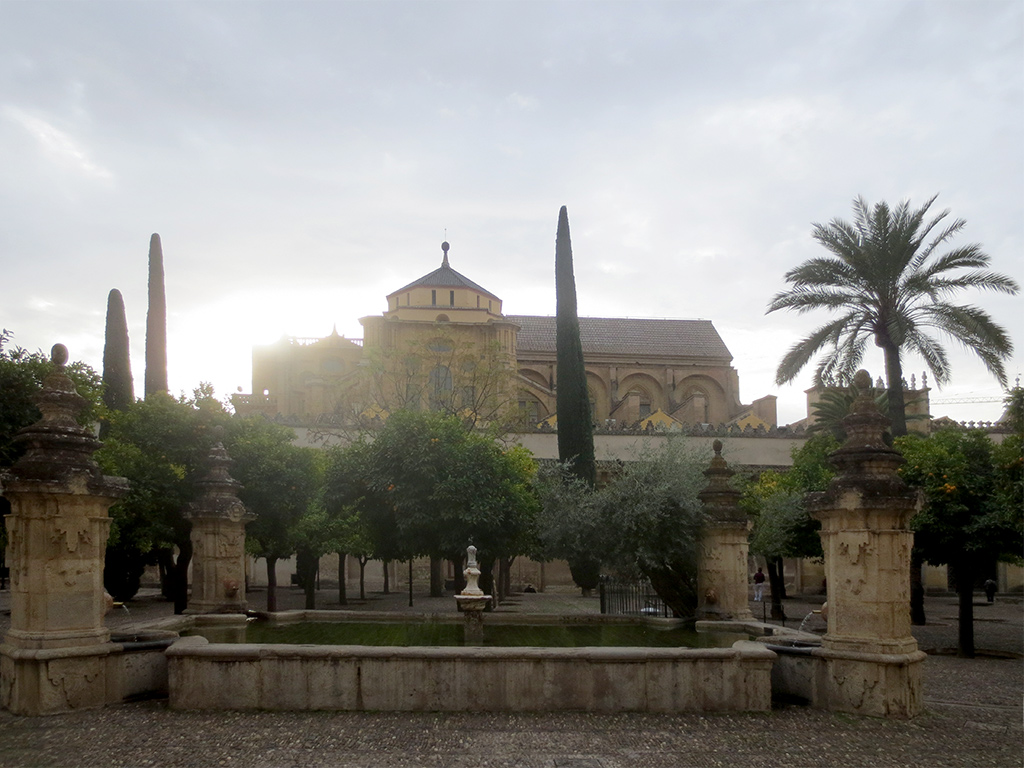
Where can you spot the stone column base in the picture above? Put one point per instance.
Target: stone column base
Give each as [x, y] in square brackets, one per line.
[51, 680]
[874, 684]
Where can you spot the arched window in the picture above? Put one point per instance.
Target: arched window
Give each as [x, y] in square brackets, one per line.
[440, 387]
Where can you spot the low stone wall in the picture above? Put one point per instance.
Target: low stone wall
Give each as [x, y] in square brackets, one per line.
[296, 677]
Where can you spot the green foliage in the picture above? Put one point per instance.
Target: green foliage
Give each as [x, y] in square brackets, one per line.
[835, 404]
[156, 322]
[568, 526]
[889, 284]
[118, 390]
[426, 486]
[575, 423]
[775, 502]
[646, 521]
[1009, 457]
[970, 516]
[280, 483]
[160, 444]
[21, 378]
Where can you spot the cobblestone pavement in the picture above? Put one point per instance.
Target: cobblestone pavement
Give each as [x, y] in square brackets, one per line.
[973, 718]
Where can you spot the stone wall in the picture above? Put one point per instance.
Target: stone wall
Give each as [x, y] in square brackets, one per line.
[282, 677]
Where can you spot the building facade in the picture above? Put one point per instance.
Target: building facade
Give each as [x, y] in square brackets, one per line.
[444, 341]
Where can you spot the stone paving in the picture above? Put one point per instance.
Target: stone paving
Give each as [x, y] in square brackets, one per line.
[973, 717]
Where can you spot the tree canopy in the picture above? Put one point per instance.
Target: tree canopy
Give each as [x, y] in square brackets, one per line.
[967, 522]
[21, 378]
[645, 522]
[890, 283]
[425, 485]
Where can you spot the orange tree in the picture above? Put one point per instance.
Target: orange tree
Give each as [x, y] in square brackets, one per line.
[427, 486]
[967, 522]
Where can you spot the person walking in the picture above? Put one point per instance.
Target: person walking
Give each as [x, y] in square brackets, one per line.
[759, 585]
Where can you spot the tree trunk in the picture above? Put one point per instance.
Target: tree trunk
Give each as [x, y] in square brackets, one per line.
[271, 584]
[677, 587]
[505, 576]
[776, 586]
[460, 579]
[307, 564]
[362, 577]
[342, 591]
[894, 388]
[487, 577]
[916, 589]
[963, 572]
[410, 582]
[387, 579]
[436, 577]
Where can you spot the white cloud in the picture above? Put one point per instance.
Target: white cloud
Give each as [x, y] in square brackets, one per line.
[525, 103]
[59, 146]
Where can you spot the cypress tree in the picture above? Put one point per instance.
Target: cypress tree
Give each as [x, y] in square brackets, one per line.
[118, 391]
[575, 427]
[156, 322]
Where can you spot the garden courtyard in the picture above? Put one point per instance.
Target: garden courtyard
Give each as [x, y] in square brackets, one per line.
[973, 715]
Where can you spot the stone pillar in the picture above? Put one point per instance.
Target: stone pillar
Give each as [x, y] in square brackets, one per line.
[722, 568]
[53, 657]
[870, 663]
[218, 540]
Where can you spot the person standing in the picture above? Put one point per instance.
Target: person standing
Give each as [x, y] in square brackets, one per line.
[759, 585]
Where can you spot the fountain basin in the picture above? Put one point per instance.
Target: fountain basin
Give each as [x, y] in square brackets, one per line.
[243, 676]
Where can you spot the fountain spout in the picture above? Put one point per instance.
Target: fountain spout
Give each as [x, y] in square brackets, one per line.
[472, 601]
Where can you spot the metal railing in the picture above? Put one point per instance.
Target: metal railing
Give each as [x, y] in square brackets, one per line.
[631, 598]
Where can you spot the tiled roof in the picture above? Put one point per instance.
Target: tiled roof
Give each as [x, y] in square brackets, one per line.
[445, 277]
[626, 336]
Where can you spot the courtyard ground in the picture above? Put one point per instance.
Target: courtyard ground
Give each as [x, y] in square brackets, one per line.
[973, 716]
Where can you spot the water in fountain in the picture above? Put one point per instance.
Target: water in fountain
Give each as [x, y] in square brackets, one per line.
[131, 620]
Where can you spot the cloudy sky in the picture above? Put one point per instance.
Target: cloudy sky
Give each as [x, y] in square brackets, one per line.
[301, 160]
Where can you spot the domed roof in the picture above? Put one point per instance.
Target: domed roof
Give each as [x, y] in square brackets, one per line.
[445, 277]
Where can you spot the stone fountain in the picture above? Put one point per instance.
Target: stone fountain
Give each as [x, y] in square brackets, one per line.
[472, 600]
[54, 658]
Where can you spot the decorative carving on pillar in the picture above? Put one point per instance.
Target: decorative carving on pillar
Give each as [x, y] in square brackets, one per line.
[218, 539]
[722, 570]
[58, 528]
[865, 515]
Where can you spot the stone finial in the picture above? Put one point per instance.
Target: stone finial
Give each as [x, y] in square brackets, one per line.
[57, 446]
[217, 489]
[59, 356]
[865, 452]
[444, 249]
[719, 498]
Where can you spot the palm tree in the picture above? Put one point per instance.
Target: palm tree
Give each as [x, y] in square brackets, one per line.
[890, 284]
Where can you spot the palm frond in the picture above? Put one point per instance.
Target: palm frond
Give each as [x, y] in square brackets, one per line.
[932, 352]
[805, 300]
[801, 353]
[975, 330]
[885, 275]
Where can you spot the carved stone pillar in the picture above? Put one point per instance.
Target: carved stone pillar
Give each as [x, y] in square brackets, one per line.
[871, 664]
[218, 540]
[53, 657]
[722, 569]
